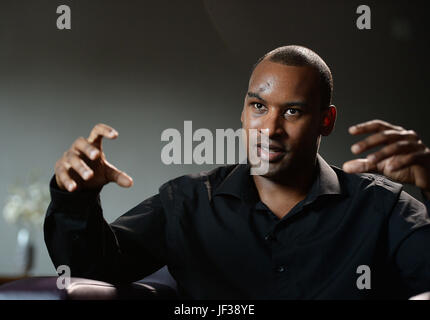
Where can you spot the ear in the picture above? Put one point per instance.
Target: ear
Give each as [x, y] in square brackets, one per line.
[241, 115]
[328, 119]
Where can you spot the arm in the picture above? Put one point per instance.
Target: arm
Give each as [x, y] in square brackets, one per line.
[409, 243]
[404, 158]
[77, 235]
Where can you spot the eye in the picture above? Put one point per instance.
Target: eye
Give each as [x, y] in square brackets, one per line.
[258, 106]
[292, 112]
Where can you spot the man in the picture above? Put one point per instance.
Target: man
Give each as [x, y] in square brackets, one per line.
[301, 231]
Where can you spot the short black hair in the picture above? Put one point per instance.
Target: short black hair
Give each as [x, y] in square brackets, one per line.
[294, 55]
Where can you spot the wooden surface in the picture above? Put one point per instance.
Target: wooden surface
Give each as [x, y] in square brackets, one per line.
[5, 279]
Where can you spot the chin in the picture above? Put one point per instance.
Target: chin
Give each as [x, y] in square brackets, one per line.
[276, 170]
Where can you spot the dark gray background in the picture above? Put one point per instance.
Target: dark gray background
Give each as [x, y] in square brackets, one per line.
[144, 66]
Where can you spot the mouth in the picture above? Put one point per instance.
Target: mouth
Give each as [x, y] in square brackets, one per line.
[272, 153]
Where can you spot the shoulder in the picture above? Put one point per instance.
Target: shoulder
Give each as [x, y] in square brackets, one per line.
[374, 188]
[368, 182]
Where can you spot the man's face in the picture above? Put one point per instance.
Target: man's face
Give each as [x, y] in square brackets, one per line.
[286, 100]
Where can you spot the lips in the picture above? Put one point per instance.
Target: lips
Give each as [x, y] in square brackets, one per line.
[273, 153]
[272, 147]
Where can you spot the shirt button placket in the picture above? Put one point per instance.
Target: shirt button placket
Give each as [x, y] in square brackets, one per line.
[269, 238]
[280, 269]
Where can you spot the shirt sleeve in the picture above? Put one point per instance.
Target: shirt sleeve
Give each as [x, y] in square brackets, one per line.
[409, 243]
[77, 235]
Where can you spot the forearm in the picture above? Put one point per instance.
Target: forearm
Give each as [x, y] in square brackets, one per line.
[76, 234]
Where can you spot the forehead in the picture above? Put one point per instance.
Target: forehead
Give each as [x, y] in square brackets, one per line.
[271, 78]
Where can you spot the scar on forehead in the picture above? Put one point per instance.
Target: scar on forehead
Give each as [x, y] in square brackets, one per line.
[265, 86]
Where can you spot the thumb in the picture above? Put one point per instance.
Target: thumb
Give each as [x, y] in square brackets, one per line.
[118, 176]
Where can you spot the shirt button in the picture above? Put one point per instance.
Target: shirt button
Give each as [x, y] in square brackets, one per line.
[280, 269]
[269, 237]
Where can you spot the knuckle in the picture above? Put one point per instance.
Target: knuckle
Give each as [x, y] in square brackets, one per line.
[399, 145]
[386, 134]
[100, 126]
[60, 170]
[87, 150]
[420, 144]
[70, 155]
[77, 167]
[413, 133]
[77, 142]
[366, 142]
[64, 175]
[393, 133]
[59, 164]
[380, 123]
[95, 129]
[379, 154]
[81, 168]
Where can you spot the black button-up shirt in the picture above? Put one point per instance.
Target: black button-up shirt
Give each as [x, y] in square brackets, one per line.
[220, 241]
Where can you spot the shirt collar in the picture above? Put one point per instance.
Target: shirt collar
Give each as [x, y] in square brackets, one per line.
[328, 181]
[239, 183]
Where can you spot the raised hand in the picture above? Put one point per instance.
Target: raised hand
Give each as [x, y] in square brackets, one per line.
[84, 164]
[403, 157]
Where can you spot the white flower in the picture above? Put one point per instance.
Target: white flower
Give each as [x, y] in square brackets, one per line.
[27, 205]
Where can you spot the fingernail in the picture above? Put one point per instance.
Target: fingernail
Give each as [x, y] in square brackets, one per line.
[86, 175]
[71, 185]
[352, 129]
[113, 133]
[122, 180]
[355, 148]
[93, 154]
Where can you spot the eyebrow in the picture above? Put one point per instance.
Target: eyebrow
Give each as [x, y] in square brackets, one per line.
[284, 105]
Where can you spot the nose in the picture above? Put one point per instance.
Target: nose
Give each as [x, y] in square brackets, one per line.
[275, 123]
